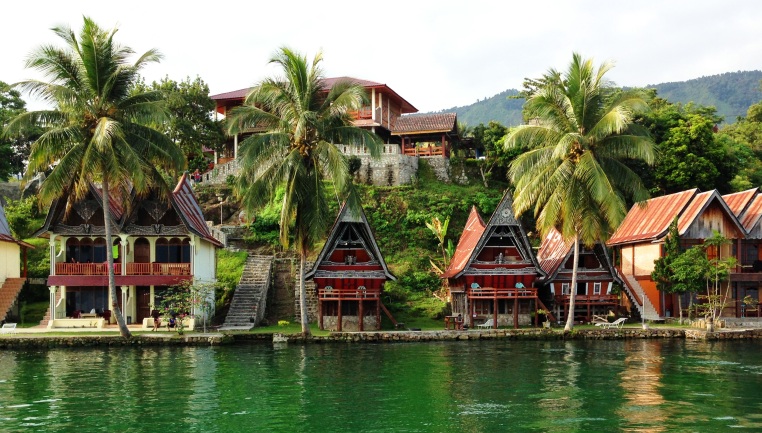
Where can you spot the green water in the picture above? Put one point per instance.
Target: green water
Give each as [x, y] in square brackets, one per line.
[488, 386]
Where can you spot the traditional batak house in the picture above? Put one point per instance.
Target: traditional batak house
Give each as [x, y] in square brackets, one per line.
[11, 280]
[405, 138]
[596, 277]
[349, 276]
[158, 242]
[493, 271]
[639, 241]
[747, 278]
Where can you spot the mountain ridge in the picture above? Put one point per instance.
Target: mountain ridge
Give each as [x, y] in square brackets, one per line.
[731, 93]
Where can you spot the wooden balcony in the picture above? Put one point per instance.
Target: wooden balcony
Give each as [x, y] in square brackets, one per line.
[363, 113]
[132, 269]
[502, 293]
[588, 299]
[359, 293]
[413, 150]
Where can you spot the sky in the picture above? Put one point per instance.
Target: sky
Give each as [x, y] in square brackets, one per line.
[435, 54]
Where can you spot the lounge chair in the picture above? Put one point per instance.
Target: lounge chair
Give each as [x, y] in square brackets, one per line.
[615, 324]
[599, 320]
[488, 324]
[8, 328]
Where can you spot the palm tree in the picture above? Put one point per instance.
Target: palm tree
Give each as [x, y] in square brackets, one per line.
[96, 133]
[573, 177]
[302, 122]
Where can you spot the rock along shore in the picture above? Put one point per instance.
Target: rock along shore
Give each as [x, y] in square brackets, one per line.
[21, 341]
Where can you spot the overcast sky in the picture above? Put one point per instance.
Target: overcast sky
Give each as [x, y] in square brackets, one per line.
[435, 54]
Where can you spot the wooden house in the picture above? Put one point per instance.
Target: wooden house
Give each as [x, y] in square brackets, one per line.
[596, 277]
[158, 241]
[349, 276]
[747, 277]
[406, 136]
[639, 241]
[493, 273]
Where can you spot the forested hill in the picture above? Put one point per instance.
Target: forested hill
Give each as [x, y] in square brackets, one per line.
[731, 93]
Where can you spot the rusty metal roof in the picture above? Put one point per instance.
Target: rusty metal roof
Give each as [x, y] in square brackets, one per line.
[752, 214]
[553, 251]
[651, 220]
[697, 206]
[737, 202]
[468, 240]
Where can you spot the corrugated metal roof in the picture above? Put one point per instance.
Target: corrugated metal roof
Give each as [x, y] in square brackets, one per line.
[468, 240]
[694, 208]
[188, 209]
[738, 201]
[751, 215]
[425, 123]
[651, 221]
[553, 251]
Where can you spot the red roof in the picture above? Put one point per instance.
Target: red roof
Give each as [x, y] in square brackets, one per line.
[468, 240]
[752, 213]
[425, 123]
[737, 202]
[553, 251]
[328, 83]
[651, 221]
[189, 210]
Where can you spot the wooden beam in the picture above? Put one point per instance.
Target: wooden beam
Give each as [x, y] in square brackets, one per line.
[338, 316]
[362, 317]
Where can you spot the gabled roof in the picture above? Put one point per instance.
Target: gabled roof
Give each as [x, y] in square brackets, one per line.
[349, 217]
[503, 219]
[554, 252]
[651, 222]
[737, 202]
[752, 214]
[189, 211]
[328, 83]
[425, 123]
[182, 200]
[471, 235]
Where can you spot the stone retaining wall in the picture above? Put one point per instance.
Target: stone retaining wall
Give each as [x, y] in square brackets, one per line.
[42, 342]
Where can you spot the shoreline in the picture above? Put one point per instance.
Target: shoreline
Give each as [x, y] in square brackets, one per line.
[31, 341]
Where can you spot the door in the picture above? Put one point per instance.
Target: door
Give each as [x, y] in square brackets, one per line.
[143, 303]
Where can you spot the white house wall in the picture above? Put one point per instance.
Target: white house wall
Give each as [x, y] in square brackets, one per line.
[10, 265]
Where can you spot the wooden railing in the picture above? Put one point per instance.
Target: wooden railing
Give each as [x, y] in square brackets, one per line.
[359, 293]
[132, 269]
[491, 292]
[589, 298]
[412, 150]
[363, 113]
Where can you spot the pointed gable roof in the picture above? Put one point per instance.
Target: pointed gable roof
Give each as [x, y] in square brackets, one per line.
[739, 201]
[747, 206]
[504, 223]
[189, 211]
[651, 221]
[472, 232]
[350, 220]
[554, 252]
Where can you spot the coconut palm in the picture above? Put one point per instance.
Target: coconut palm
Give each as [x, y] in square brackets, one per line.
[573, 177]
[96, 132]
[302, 122]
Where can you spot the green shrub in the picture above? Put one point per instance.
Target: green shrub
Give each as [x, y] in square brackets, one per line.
[230, 266]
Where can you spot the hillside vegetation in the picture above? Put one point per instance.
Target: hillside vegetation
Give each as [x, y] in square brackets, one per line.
[731, 93]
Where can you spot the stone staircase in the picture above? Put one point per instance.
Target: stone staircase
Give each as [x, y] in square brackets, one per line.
[9, 292]
[647, 310]
[247, 308]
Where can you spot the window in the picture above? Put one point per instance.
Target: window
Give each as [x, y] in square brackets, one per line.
[564, 288]
[596, 288]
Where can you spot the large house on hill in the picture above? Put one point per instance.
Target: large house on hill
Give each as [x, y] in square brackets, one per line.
[159, 241]
[406, 136]
[639, 241]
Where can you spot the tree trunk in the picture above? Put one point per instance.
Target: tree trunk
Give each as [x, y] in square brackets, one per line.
[303, 296]
[110, 262]
[573, 288]
[680, 306]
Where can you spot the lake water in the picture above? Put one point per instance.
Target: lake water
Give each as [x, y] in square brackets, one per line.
[485, 386]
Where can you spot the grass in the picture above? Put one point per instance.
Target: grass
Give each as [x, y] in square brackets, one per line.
[32, 313]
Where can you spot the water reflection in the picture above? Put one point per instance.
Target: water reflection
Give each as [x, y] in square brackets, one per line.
[641, 382]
